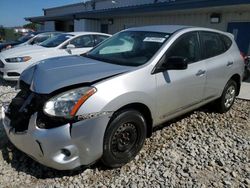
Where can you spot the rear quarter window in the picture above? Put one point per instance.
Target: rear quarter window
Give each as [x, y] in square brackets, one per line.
[212, 44]
[227, 42]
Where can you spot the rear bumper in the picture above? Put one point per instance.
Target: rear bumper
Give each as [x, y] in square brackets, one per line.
[64, 148]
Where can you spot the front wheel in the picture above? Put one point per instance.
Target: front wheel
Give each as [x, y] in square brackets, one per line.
[123, 138]
[226, 101]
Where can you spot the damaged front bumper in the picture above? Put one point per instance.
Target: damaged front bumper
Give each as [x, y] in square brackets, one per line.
[64, 148]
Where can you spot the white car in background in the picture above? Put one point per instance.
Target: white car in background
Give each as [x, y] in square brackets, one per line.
[39, 38]
[28, 39]
[14, 61]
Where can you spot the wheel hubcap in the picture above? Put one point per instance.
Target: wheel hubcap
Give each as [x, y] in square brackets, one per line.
[229, 97]
[124, 139]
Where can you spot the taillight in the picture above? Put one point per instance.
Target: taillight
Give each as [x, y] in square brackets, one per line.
[243, 56]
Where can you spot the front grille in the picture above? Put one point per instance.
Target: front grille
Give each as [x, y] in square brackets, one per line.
[19, 111]
[25, 104]
[1, 64]
[13, 74]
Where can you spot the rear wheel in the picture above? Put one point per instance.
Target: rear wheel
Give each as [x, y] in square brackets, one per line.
[123, 138]
[225, 102]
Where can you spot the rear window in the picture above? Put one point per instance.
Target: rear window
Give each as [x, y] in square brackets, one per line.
[212, 44]
[227, 42]
[40, 39]
[100, 38]
[56, 40]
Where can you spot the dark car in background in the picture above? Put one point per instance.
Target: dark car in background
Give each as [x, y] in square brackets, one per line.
[39, 38]
[247, 67]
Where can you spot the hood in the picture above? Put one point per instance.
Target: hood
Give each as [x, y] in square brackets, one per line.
[55, 73]
[22, 51]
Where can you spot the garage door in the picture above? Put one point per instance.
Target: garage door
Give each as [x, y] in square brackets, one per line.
[241, 32]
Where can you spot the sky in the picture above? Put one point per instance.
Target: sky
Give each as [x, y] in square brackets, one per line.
[13, 12]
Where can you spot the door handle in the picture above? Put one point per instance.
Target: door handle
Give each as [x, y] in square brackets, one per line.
[200, 73]
[230, 63]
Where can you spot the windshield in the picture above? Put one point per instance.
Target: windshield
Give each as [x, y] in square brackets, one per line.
[56, 40]
[25, 38]
[131, 48]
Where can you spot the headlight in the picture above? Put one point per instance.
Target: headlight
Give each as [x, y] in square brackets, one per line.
[67, 104]
[8, 47]
[18, 59]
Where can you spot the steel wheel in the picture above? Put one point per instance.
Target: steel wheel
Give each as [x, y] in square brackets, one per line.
[226, 101]
[230, 96]
[124, 138]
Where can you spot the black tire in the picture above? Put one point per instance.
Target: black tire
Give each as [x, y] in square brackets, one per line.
[223, 104]
[124, 138]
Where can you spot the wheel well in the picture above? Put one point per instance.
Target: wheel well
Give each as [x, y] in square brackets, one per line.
[142, 108]
[237, 79]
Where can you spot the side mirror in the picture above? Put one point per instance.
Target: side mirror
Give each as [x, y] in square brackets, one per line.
[70, 46]
[175, 63]
[32, 42]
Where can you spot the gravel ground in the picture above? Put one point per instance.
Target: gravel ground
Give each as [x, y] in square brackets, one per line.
[200, 149]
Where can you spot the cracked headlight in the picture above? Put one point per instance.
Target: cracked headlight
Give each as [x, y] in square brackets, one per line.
[18, 59]
[67, 104]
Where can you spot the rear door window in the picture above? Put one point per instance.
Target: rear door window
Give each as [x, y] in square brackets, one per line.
[212, 44]
[83, 41]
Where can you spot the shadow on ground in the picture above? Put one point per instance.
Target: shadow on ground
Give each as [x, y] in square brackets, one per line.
[7, 83]
[247, 80]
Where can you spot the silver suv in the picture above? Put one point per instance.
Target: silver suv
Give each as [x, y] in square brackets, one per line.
[74, 110]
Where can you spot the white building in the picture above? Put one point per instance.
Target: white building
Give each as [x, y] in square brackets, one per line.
[111, 16]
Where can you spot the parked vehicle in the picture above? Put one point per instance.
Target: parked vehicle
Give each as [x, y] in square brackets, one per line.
[9, 44]
[74, 110]
[14, 61]
[247, 67]
[39, 38]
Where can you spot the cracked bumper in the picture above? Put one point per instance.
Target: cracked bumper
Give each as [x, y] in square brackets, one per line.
[82, 140]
